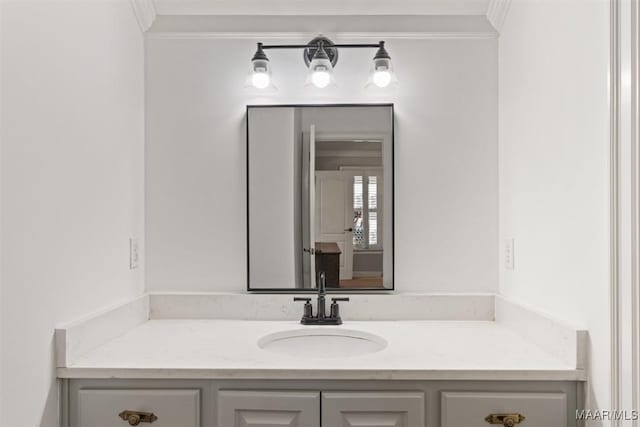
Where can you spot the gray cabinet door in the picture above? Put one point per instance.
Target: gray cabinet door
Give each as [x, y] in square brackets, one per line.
[101, 408]
[373, 409]
[470, 409]
[244, 408]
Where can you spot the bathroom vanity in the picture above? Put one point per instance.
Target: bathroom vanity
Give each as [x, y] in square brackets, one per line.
[315, 403]
[320, 219]
[161, 357]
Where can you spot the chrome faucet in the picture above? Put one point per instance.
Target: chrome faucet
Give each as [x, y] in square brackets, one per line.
[321, 318]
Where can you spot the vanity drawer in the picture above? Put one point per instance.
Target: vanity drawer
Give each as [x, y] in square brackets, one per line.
[102, 408]
[372, 409]
[249, 408]
[470, 409]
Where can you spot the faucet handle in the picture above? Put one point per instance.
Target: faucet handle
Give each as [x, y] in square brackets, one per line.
[308, 310]
[335, 309]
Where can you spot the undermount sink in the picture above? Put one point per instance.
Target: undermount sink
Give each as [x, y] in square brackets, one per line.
[322, 342]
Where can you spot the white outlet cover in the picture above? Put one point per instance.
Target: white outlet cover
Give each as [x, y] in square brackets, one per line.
[508, 254]
[134, 254]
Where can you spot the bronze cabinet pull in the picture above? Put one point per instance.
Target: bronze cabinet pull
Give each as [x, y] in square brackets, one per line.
[507, 420]
[135, 417]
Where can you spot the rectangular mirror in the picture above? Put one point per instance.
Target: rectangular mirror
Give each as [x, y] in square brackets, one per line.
[320, 197]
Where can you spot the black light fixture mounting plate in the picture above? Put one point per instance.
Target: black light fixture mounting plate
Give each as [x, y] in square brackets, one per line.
[314, 45]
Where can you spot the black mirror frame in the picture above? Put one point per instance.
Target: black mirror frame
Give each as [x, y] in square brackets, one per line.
[393, 215]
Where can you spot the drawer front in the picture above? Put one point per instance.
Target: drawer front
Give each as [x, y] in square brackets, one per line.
[373, 409]
[469, 409]
[101, 408]
[246, 408]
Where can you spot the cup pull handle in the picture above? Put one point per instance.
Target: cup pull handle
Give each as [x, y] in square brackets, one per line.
[507, 420]
[134, 418]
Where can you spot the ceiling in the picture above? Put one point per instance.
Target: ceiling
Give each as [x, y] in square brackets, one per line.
[324, 7]
[233, 18]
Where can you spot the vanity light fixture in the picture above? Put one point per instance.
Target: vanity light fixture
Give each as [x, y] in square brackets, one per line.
[382, 74]
[321, 55]
[260, 74]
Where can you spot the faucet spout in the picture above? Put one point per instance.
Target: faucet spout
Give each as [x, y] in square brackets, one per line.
[322, 291]
[322, 283]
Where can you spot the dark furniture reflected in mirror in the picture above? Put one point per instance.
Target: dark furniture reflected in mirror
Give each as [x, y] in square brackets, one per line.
[320, 197]
[327, 258]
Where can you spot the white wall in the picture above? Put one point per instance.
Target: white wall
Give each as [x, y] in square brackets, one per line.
[446, 158]
[72, 182]
[274, 165]
[554, 142]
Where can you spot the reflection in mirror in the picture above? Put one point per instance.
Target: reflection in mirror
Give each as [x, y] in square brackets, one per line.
[320, 197]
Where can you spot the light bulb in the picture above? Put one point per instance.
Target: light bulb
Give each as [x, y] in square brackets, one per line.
[260, 73]
[320, 69]
[260, 80]
[381, 71]
[382, 78]
[321, 78]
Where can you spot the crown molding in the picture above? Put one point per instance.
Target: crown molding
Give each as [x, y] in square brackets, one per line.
[307, 36]
[288, 26]
[325, 7]
[497, 12]
[145, 12]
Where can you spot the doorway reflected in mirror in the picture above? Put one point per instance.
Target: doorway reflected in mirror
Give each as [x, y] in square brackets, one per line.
[349, 177]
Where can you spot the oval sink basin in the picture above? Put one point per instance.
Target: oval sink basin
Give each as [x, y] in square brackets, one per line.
[322, 343]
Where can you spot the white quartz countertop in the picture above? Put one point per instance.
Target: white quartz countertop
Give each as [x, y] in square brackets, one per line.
[417, 350]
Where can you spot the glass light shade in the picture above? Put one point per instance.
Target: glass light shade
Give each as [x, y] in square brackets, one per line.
[320, 73]
[382, 78]
[260, 80]
[382, 74]
[260, 75]
[321, 79]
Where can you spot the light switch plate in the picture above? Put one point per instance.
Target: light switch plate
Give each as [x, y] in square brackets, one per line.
[508, 254]
[134, 253]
